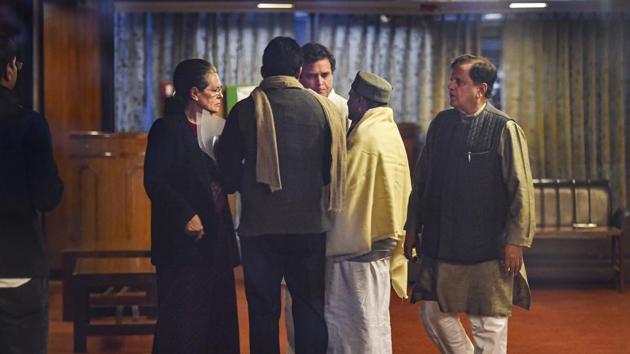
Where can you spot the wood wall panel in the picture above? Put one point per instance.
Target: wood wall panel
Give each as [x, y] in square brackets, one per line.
[112, 210]
[139, 207]
[84, 216]
[72, 100]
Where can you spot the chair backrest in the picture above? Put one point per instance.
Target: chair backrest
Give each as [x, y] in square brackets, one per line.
[410, 133]
[562, 203]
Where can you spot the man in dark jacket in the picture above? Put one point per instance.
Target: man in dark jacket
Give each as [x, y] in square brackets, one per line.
[276, 150]
[29, 185]
[471, 212]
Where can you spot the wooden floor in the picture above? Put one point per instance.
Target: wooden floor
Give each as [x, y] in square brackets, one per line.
[561, 321]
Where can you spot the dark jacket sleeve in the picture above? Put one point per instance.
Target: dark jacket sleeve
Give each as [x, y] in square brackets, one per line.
[158, 164]
[44, 185]
[230, 153]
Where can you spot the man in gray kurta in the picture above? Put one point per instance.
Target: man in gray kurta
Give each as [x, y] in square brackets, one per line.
[472, 207]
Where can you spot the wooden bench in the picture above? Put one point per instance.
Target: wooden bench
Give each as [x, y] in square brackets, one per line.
[570, 209]
[105, 272]
[69, 259]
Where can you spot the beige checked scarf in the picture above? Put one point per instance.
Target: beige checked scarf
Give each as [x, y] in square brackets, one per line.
[267, 162]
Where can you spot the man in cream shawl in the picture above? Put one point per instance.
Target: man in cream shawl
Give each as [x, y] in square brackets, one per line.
[366, 241]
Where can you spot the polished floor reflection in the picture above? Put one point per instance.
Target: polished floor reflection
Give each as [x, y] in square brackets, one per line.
[561, 321]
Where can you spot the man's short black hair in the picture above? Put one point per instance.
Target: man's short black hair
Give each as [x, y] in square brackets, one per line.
[282, 56]
[313, 52]
[8, 51]
[482, 70]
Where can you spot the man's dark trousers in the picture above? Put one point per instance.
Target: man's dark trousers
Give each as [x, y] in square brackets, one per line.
[24, 318]
[300, 259]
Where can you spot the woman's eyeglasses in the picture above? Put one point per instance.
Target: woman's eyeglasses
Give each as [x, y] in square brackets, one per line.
[216, 92]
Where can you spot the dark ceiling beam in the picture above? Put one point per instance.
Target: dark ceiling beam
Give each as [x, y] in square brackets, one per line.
[372, 7]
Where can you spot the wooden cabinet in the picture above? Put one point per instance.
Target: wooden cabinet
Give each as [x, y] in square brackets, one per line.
[110, 209]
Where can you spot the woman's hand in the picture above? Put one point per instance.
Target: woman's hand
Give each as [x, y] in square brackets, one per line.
[194, 228]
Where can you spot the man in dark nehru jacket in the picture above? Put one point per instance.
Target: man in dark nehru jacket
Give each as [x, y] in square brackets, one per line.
[472, 204]
[29, 185]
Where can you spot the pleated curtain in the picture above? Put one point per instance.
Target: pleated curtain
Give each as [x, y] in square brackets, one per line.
[412, 52]
[148, 46]
[565, 82]
[562, 76]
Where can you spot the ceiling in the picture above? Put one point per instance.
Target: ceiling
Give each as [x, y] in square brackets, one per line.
[381, 7]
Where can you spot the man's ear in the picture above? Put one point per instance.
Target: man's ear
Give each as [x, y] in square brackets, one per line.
[299, 73]
[483, 88]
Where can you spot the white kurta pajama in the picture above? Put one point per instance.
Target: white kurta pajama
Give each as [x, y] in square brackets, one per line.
[357, 307]
[374, 210]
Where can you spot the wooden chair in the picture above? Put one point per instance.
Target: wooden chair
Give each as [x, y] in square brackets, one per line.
[572, 209]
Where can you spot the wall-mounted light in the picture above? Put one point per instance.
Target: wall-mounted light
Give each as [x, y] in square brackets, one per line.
[492, 17]
[528, 5]
[275, 6]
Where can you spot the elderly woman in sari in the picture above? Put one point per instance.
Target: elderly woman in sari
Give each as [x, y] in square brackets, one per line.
[193, 244]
